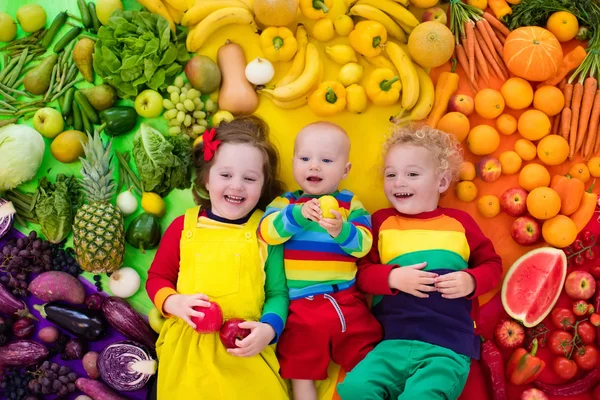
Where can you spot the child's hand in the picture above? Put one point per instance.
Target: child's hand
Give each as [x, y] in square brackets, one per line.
[455, 284]
[312, 210]
[410, 279]
[333, 226]
[262, 334]
[181, 305]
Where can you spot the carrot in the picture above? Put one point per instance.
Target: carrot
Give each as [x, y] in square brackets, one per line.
[497, 45]
[570, 61]
[555, 124]
[500, 37]
[568, 92]
[482, 63]
[489, 57]
[562, 84]
[487, 40]
[592, 127]
[575, 108]
[464, 63]
[470, 39]
[565, 122]
[597, 144]
[495, 22]
[589, 92]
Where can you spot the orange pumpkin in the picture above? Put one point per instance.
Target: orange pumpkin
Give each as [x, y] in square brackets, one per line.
[532, 53]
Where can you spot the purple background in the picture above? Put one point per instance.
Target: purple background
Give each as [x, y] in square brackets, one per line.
[75, 365]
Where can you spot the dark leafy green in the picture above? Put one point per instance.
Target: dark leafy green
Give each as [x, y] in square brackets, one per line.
[129, 38]
[56, 206]
[163, 162]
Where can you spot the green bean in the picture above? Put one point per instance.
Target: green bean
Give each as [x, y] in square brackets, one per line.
[4, 104]
[7, 96]
[86, 108]
[87, 125]
[68, 52]
[86, 18]
[94, 16]
[9, 121]
[51, 86]
[4, 112]
[58, 22]
[66, 39]
[5, 59]
[77, 122]
[8, 68]
[18, 68]
[75, 17]
[63, 76]
[68, 101]
[15, 91]
[63, 90]
[72, 73]
[19, 83]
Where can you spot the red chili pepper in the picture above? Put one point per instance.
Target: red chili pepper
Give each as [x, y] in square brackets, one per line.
[596, 298]
[582, 385]
[493, 364]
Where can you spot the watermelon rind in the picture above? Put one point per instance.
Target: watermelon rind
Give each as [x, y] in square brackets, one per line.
[520, 315]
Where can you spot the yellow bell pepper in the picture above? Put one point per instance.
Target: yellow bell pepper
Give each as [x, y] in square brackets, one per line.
[368, 38]
[278, 44]
[328, 99]
[383, 87]
[315, 9]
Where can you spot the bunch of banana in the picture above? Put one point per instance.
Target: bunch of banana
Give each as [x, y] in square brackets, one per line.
[424, 104]
[294, 93]
[396, 19]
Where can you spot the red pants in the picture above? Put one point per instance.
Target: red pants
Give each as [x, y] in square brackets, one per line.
[337, 326]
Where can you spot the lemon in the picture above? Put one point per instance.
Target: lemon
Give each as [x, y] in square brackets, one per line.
[343, 25]
[350, 73]
[327, 204]
[323, 30]
[356, 99]
[153, 204]
[423, 3]
[341, 53]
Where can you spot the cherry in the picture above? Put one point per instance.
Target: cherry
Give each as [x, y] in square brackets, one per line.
[590, 255]
[578, 245]
[579, 260]
[587, 236]
[568, 251]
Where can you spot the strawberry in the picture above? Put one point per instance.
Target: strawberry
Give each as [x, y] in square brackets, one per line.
[595, 319]
[581, 307]
[509, 334]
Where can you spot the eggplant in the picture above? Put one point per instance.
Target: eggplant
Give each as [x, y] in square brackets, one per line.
[22, 353]
[82, 322]
[126, 320]
[12, 306]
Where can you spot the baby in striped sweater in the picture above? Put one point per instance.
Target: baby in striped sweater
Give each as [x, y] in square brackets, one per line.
[329, 318]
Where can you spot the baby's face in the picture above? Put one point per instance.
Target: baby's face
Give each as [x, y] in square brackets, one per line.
[412, 182]
[321, 159]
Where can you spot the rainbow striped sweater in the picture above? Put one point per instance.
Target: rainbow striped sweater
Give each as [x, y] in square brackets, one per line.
[314, 261]
[448, 240]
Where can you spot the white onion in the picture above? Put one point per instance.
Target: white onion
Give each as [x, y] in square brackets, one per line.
[124, 282]
[127, 203]
[259, 71]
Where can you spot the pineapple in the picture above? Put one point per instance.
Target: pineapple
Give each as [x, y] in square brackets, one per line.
[98, 235]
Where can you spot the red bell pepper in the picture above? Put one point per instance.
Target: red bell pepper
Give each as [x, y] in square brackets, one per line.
[523, 367]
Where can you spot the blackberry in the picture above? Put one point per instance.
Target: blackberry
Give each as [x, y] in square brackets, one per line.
[3, 340]
[97, 278]
[3, 328]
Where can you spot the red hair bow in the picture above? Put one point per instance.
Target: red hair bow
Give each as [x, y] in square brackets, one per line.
[210, 145]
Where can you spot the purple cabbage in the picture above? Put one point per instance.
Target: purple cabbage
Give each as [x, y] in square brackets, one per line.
[6, 221]
[126, 365]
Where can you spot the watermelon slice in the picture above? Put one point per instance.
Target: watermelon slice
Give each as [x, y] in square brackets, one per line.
[533, 284]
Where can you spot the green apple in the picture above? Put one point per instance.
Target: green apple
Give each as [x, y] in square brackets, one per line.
[8, 27]
[156, 319]
[149, 104]
[31, 17]
[49, 122]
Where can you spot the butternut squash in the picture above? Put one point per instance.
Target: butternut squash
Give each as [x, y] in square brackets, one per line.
[236, 94]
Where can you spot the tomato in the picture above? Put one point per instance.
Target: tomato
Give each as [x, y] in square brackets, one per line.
[561, 342]
[564, 367]
[589, 358]
[587, 332]
[563, 318]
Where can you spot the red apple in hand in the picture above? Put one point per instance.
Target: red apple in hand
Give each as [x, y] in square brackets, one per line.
[525, 230]
[580, 285]
[514, 201]
[230, 331]
[212, 320]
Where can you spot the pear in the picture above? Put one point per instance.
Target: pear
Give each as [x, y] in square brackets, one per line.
[100, 97]
[82, 56]
[37, 81]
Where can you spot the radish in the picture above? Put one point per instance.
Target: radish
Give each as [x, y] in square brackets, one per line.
[124, 282]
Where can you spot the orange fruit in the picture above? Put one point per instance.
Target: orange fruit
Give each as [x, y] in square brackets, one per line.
[549, 99]
[517, 93]
[467, 171]
[489, 103]
[532, 53]
[466, 191]
[563, 25]
[543, 203]
[559, 231]
[594, 167]
[534, 125]
[580, 171]
[506, 124]
[455, 123]
[431, 44]
[525, 149]
[483, 139]
[533, 176]
[510, 161]
[488, 205]
[553, 150]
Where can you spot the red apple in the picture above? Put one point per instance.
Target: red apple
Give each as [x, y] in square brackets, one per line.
[526, 230]
[533, 394]
[580, 285]
[230, 331]
[488, 169]
[435, 14]
[595, 271]
[461, 103]
[212, 320]
[514, 201]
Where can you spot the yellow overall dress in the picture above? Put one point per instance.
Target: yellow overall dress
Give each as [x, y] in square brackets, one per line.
[223, 263]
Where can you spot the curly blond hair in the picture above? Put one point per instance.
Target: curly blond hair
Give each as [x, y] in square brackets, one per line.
[444, 147]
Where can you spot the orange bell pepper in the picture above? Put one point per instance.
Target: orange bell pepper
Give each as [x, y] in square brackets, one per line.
[523, 367]
[586, 208]
[500, 8]
[446, 86]
[570, 192]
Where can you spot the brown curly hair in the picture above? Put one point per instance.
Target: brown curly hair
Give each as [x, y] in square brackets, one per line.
[250, 130]
[444, 147]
